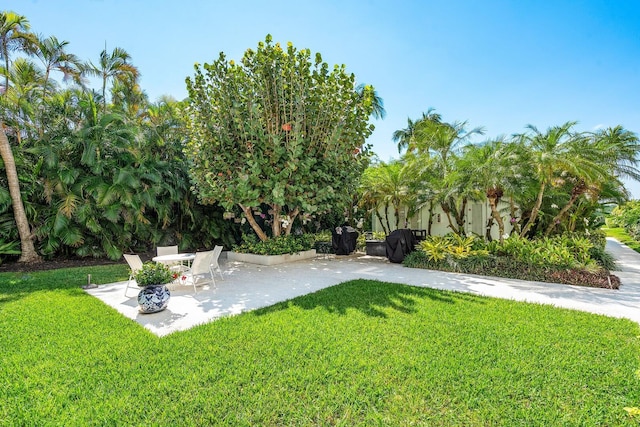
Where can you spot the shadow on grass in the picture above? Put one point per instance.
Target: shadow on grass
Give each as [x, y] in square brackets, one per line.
[371, 297]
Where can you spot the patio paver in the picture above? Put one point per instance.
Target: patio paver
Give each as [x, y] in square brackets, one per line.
[249, 286]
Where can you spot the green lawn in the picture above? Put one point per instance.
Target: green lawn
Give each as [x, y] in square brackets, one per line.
[360, 353]
[623, 237]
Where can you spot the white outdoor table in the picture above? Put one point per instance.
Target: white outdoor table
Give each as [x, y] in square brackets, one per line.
[181, 258]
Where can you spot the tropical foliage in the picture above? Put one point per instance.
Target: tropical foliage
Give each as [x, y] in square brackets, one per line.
[572, 259]
[627, 216]
[554, 181]
[85, 172]
[286, 244]
[278, 130]
[384, 191]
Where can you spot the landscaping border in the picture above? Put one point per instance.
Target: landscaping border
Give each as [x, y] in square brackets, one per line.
[270, 259]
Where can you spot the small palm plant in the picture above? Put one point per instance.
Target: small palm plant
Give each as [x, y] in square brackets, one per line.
[153, 273]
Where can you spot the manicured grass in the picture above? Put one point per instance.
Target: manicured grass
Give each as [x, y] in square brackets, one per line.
[622, 236]
[359, 353]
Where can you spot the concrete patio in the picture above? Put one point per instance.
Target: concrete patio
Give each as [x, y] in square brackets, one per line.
[249, 286]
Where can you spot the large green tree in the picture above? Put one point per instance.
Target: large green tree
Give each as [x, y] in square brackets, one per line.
[277, 129]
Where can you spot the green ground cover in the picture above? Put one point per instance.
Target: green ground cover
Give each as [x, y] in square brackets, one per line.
[622, 236]
[359, 353]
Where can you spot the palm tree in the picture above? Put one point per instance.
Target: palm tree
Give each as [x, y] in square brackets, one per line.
[440, 143]
[553, 154]
[612, 153]
[386, 186]
[28, 253]
[54, 57]
[405, 137]
[377, 102]
[14, 35]
[489, 167]
[21, 101]
[619, 149]
[113, 66]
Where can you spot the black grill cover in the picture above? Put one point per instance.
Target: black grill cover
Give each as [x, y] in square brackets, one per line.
[345, 242]
[400, 243]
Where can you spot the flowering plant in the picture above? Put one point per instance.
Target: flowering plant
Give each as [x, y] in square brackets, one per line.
[153, 273]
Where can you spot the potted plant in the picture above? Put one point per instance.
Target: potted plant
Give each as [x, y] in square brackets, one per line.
[153, 278]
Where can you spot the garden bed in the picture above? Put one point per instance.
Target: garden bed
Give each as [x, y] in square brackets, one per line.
[270, 259]
[508, 267]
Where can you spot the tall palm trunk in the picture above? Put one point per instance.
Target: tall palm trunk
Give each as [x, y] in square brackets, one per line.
[557, 218]
[29, 253]
[430, 224]
[578, 190]
[447, 212]
[493, 196]
[384, 228]
[534, 211]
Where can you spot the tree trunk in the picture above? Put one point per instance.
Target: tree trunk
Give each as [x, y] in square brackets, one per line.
[396, 212]
[512, 210]
[430, 224]
[534, 211]
[29, 253]
[447, 212]
[377, 213]
[276, 224]
[459, 215]
[386, 215]
[561, 214]
[487, 229]
[493, 203]
[292, 217]
[248, 213]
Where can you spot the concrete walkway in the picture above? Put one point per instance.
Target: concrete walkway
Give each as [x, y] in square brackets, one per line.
[249, 286]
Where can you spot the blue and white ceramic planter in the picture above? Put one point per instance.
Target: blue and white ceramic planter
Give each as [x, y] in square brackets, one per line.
[154, 298]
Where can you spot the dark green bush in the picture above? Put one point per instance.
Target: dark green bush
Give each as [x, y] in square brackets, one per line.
[290, 244]
[513, 268]
[603, 258]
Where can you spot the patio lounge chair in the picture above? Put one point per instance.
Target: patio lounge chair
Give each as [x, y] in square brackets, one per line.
[201, 271]
[214, 265]
[135, 264]
[166, 250]
[175, 266]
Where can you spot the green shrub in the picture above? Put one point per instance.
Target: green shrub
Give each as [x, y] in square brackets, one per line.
[361, 244]
[438, 248]
[290, 244]
[551, 259]
[563, 251]
[603, 258]
[323, 236]
[153, 273]
[627, 216]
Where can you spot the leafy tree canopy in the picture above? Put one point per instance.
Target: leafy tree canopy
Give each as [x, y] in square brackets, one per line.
[279, 129]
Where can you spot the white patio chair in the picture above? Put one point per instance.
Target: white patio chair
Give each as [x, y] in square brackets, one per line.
[201, 271]
[166, 250]
[214, 265]
[135, 264]
[173, 265]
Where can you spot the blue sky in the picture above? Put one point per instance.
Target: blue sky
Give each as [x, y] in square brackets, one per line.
[496, 64]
